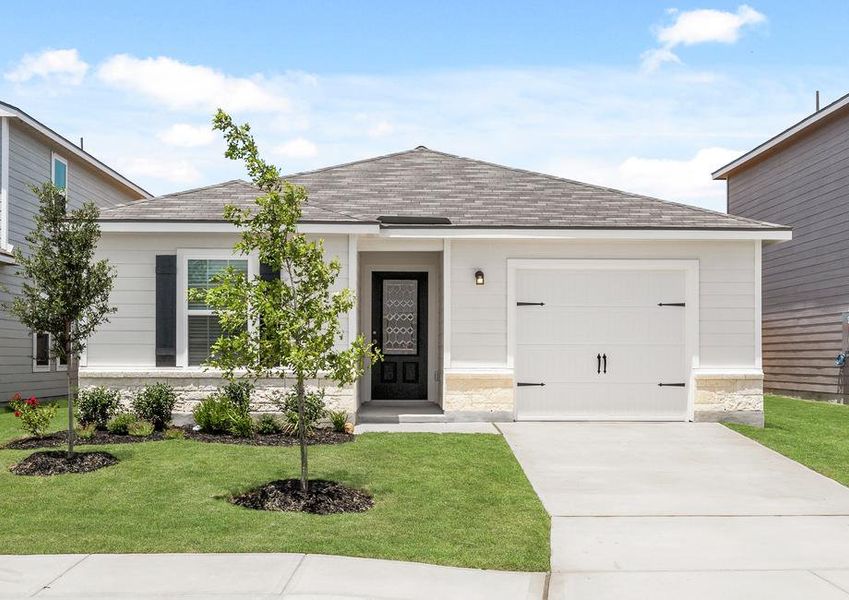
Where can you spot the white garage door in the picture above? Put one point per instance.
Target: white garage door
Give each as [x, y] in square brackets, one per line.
[601, 344]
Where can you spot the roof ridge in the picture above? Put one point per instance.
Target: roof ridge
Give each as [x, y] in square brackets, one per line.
[359, 161]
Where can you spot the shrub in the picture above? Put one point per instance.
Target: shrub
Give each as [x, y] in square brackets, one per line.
[212, 415]
[95, 406]
[86, 432]
[120, 423]
[338, 418]
[174, 433]
[239, 395]
[240, 425]
[155, 403]
[268, 424]
[140, 428]
[314, 410]
[35, 417]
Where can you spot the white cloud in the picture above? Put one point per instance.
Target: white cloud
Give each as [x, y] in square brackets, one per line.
[297, 148]
[381, 129]
[699, 26]
[178, 85]
[187, 136]
[179, 171]
[64, 66]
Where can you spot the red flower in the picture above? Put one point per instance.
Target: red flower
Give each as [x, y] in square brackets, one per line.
[32, 401]
[16, 397]
[17, 413]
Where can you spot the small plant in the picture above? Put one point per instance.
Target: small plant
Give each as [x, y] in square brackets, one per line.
[314, 410]
[155, 403]
[268, 425]
[95, 406]
[239, 395]
[120, 423]
[86, 432]
[241, 425]
[140, 428]
[35, 417]
[212, 415]
[174, 433]
[338, 418]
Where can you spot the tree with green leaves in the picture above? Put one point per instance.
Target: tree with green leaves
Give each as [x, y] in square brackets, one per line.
[65, 291]
[285, 327]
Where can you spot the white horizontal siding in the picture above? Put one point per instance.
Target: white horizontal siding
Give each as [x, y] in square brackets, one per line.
[128, 340]
[727, 293]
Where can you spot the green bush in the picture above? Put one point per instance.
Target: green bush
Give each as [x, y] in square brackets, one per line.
[174, 433]
[239, 395]
[86, 432]
[120, 423]
[338, 418]
[140, 428]
[212, 415]
[95, 406]
[35, 417]
[241, 425]
[155, 403]
[314, 410]
[268, 424]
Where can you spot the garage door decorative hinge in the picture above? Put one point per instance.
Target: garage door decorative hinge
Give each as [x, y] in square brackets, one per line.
[525, 384]
[530, 304]
[671, 384]
[671, 304]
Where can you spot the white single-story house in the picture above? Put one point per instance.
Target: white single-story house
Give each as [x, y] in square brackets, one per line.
[494, 293]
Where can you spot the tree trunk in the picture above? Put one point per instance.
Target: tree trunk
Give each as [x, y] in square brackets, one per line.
[73, 378]
[302, 434]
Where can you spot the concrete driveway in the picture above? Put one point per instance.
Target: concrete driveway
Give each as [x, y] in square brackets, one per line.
[682, 510]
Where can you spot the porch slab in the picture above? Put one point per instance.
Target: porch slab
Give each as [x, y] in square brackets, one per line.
[427, 428]
[400, 411]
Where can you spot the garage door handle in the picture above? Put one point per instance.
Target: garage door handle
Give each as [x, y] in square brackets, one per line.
[525, 384]
[604, 358]
[530, 304]
[598, 367]
[671, 304]
[671, 384]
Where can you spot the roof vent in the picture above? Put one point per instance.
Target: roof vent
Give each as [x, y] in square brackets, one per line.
[413, 220]
[421, 148]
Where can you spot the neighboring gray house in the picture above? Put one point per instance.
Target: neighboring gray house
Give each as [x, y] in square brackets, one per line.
[31, 153]
[801, 178]
[494, 293]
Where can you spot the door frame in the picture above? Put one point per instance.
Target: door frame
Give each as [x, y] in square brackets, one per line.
[433, 320]
[690, 268]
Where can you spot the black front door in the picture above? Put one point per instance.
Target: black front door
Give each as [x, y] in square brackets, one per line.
[399, 329]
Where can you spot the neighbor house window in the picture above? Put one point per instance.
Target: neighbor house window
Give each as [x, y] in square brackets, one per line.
[40, 352]
[59, 172]
[202, 327]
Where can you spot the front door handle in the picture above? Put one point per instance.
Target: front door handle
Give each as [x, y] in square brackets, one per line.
[604, 358]
[598, 358]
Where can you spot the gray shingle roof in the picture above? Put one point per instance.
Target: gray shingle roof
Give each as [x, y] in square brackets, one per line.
[426, 183]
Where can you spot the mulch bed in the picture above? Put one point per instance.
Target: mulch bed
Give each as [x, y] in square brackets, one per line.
[323, 498]
[320, 436]
[57, 462]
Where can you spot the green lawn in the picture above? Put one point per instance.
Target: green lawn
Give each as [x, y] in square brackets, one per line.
[815, 434]
[447, 499]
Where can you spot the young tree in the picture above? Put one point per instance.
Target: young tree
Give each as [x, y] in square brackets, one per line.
[65, 291]
[287, 326]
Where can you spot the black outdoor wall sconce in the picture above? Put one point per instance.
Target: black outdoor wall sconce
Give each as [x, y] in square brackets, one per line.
[479, 278]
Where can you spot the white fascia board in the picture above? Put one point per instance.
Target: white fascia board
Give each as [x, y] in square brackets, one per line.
[203, 227]
[590, 234]
[73, 149]
[723, 172]
[5, 246]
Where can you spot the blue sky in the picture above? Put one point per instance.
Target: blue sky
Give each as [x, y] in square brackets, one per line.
[646, 96]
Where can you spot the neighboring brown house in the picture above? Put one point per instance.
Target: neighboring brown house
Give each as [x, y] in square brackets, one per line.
[800, 178]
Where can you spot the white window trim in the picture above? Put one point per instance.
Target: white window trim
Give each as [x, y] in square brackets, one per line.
[36, 368]
[183, 257]
[59, 366]
[54, 158]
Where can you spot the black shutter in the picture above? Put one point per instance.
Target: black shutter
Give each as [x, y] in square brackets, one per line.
[266, 273]
[166, 310]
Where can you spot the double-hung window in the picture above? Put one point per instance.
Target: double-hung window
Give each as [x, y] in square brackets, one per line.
[40, 352]
[59, 172]
[201, 327]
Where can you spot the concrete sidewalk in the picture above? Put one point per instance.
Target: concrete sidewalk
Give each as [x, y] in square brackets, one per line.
[254, 576]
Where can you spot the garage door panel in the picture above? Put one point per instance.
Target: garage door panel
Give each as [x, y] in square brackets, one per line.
[607, 311]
